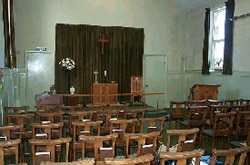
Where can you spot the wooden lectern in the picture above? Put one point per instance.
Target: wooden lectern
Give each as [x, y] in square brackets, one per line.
[204, 92]
[101, 93]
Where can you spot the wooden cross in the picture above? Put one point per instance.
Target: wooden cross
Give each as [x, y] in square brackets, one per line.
[102, 40]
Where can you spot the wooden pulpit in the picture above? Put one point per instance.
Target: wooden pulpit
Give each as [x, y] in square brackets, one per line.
[204, 92]
[102, 93]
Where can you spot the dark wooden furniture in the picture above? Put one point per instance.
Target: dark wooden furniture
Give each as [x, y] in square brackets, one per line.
[142, 140]
[182, 157]
[81, 128]
[13, 144]
[102, 93]
[137, 90]
[230, 155]
[222, 127]
[50, 146]
[98, 142]
[145, 160]
[177, 112]
[185, 143]
[201, 92]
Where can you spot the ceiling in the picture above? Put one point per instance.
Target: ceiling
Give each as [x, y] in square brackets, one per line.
[190, 4]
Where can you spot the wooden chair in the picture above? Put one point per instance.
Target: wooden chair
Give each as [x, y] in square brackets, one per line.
[53, 117]
[98, 142]
[52, 130]
[242, 124]
[237, 108]
[95, 107]
[16, 110]
[135, 114]
[6, 145]
[230, 155]
[215, 109]
[222, 127]
[142, 142]
[196, 117]
[13, 132]
[177, 112]
[121, 107]
[80, 127]
[185, 143]
[145, 160]
[192, 103]
[137, 90]
[82, 162]
[71, 108]
[106, 116]
[243, 143]
[50, 147]
[182, 157]
[46, 109]
[232, 102]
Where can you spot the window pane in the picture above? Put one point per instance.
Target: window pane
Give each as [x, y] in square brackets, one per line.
[219, 24]
[218, 54]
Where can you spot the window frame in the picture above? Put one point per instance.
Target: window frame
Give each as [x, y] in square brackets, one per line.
[212, 41]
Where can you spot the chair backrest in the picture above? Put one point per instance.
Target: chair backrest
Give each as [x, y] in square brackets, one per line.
[50, 147]
[237, 108]
[136, 84]
[79, 116]
[232, 102]
[214, 102]
[177, 109]
[7, 144]
[191, 103]
[16, 110]
[152, 124]
[71, 108]
[38, 128]
[106, 115]
[145, 160]
[230, 155]
[94, 107]
[135, 113]
[19, 119]
[186, 139]
[53, 117]
[118, 106]
[223, 124]
[81, 162]
[80, 127]
[197, 116]
[142, 140]
[182, 157]
[98, 143]
[120, 126]
[12, 131]
[46, 108]
[214, 109]
[242, 123]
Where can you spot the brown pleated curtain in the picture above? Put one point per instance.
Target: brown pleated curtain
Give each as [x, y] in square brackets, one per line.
[122, 58]
[9, 34]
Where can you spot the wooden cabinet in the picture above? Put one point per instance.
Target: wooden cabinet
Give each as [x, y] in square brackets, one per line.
[102, 91]
[202, 92]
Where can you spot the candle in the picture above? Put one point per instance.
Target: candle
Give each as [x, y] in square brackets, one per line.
[105, 73]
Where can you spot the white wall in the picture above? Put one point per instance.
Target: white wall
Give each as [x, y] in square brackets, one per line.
[232, 87]
[1, 37]
[36, 21]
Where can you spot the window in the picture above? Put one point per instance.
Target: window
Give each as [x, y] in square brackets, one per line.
[217, 37]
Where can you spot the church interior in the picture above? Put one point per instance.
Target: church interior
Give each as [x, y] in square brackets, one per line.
[124, 82]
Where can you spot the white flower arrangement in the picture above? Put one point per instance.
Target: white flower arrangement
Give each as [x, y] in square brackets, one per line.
[67, 63]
